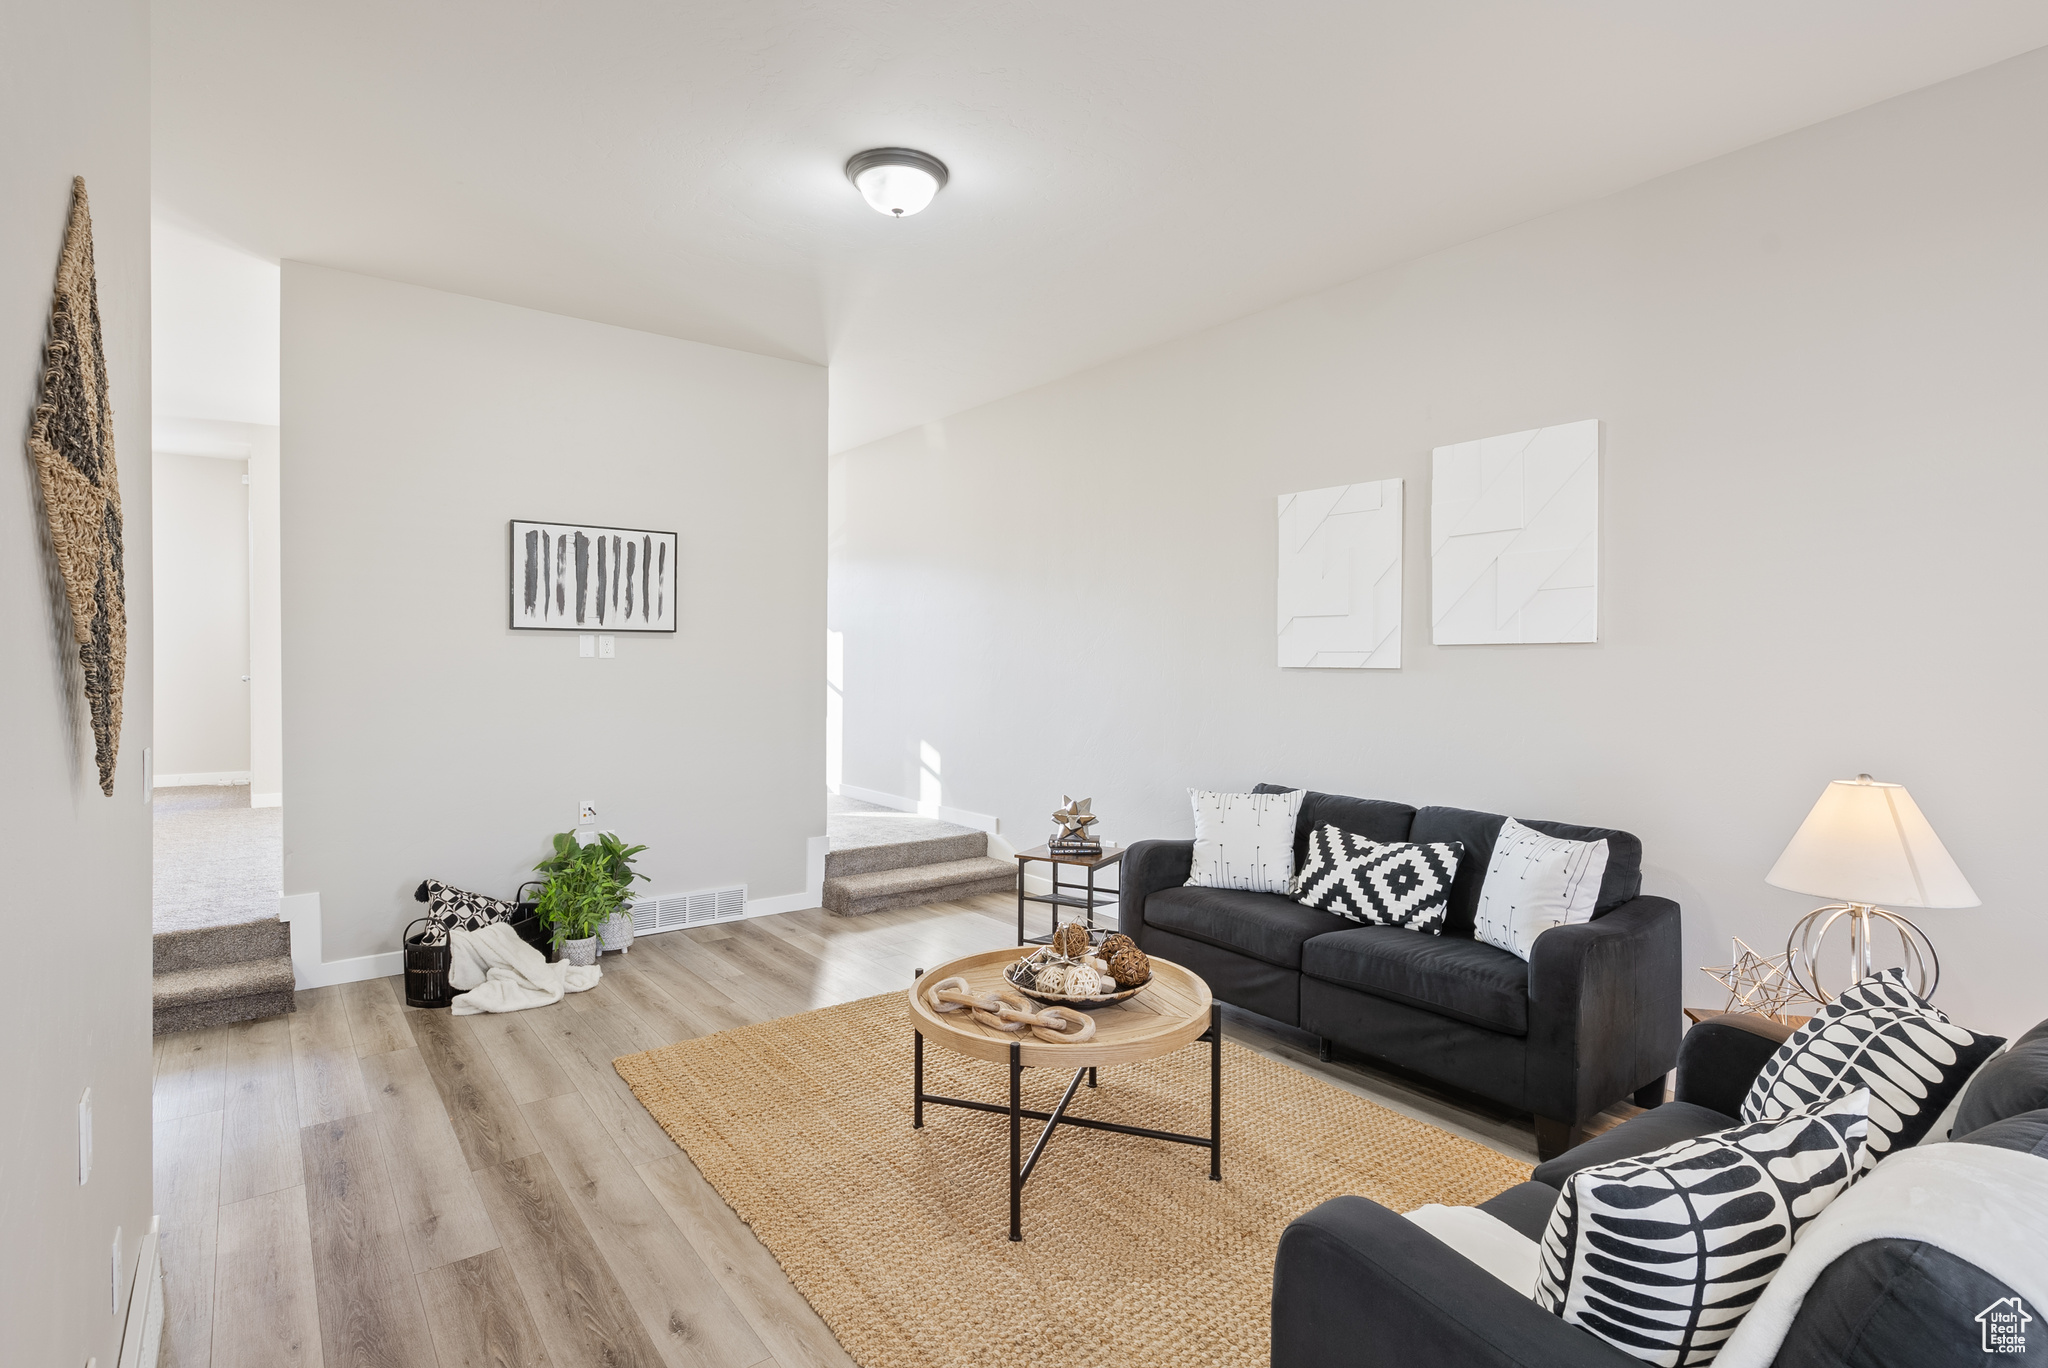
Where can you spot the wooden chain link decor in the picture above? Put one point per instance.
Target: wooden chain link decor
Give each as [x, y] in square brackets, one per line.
[71, 441]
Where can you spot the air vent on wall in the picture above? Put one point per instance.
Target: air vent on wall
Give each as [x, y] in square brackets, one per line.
[679, 910]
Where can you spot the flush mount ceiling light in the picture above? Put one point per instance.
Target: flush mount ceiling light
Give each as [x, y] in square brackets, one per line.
[897, 181]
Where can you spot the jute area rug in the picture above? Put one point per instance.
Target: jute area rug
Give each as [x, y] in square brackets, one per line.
[1131, 1256]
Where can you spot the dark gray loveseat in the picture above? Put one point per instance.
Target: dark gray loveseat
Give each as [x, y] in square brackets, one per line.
[1357, 1286]
[1594, 1016]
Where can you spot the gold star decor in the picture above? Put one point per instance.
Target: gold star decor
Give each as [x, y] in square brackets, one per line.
[1075, 818]
[1757, 983]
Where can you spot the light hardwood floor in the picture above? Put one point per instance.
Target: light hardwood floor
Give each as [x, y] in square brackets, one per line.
[361, 1184]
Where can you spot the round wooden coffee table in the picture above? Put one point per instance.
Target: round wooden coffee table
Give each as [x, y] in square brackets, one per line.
[1175, 1010]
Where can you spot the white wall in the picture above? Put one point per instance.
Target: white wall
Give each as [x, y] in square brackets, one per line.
[255, 445]
[74, 99]
[1819, 362]
[214, 325]
[422, 735]
[201, 563]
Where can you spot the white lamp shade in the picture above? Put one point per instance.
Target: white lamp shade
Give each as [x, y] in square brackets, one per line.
[898, 191]
[1866, 842]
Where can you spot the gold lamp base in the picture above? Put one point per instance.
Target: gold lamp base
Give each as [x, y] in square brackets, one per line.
[1803, 947]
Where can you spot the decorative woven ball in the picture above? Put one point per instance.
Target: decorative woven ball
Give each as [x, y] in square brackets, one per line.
[1130, 966]
[1071, 940]
[1052, 979]
[1083, 982]
[1116, 941]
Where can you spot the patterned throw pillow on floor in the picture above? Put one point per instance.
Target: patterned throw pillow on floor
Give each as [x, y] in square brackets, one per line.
[457, 910]
[1662, 1255]
[1876, 1035]
[1381, 885]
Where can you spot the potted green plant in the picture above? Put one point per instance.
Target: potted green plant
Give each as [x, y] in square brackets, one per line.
[581, 894]
[617, 858]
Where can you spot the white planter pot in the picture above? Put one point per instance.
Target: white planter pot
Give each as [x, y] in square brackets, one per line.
[617, 931]
[580, 951]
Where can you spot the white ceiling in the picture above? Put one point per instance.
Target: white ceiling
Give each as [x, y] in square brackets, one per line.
[1123, 172]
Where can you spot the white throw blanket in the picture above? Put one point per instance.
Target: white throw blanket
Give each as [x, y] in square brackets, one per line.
[1977, 1202]
[495, 971]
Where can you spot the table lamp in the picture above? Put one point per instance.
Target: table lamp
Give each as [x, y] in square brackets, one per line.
[1866, 843]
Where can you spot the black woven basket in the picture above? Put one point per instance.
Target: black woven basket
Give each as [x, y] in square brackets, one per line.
[526, 921]
[426, 965]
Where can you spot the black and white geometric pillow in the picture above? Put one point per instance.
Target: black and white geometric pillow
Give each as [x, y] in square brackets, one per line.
[1876, 1035]
[1380, 885]
[1662, 1255]
[457, 910]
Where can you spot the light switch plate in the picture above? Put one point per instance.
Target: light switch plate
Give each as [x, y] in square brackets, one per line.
[586, 645]
[607, 647]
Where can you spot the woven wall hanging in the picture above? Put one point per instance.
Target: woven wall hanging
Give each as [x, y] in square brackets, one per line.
[71, 440]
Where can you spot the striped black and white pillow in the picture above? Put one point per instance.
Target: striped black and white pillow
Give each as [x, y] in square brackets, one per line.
[1878, 1035]
[1662, 1255]
[1381, 885]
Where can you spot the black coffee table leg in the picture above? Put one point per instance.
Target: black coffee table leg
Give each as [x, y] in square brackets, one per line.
[1215, 1092]
[917, 1108]
[1016, 1142]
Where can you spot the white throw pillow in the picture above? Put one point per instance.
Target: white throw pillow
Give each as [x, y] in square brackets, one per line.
[1535, 882]
[1244, 840]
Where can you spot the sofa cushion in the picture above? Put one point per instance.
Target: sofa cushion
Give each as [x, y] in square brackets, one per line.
[1267, 926]
[2012, 1083]
[1451, 977]
[1620, 883]
[1653, 1130]
[2027, 1133]
[1373, 818]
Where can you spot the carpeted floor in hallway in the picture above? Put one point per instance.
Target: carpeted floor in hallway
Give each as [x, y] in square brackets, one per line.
[216, 859]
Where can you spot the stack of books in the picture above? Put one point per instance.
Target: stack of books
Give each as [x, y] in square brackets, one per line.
[1074, 845]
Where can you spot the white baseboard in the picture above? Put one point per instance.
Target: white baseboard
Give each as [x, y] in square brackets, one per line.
[257, 800]
[813, 894]
[980, 821]
[309, 970]
[142, 1332]
[211, 779]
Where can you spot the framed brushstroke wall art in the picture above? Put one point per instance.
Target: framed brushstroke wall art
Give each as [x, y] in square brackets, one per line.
[572, 578]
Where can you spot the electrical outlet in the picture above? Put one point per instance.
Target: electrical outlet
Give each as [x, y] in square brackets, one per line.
[586, 814]
[85, 1138]
[607, 647]
[586, 645]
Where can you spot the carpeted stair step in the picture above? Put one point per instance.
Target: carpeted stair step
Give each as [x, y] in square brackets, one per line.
[931, 850]
[212, 975]
[852, 895]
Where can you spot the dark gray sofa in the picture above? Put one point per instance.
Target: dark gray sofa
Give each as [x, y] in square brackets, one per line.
[1357, 1286]
[1593, 1017]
